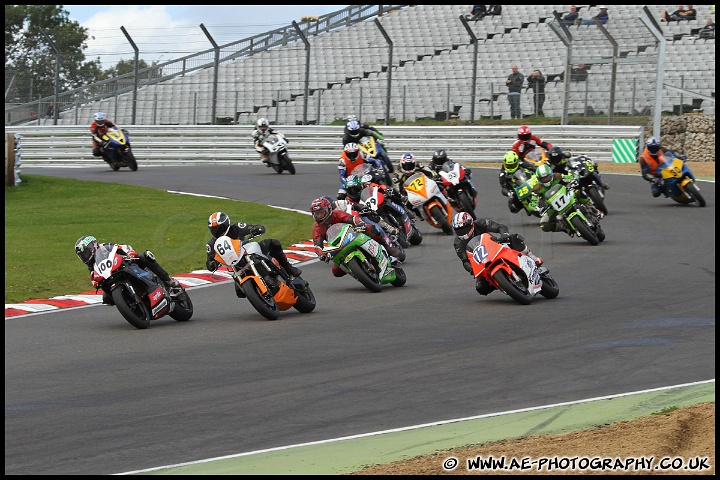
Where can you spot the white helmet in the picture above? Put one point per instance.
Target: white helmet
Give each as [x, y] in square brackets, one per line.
[262, 122]
[99, 118]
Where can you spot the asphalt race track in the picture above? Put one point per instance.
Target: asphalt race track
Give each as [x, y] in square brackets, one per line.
[86, 393]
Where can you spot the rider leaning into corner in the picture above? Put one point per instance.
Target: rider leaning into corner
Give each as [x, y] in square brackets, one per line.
[262, 130]
[465, 229]
[98, 128]
[325, 215]
[86, 246]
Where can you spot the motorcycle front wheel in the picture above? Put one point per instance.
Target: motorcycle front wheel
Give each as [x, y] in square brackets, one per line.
[131, 308]
[415, 236]
[130, 160]
[362, 275]
[515, 290]
[289, 165]
[264, 304]
[438, 214]
[692, 190]
[183, 310]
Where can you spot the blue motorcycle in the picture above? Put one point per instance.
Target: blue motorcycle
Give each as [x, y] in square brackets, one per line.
[117, 151]
[678, 181]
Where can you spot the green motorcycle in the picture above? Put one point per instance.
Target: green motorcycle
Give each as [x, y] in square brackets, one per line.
[578, 218]
[363, 258]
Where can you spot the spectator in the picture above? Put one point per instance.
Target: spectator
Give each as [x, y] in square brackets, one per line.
[664, 17]
[571, 17]
[514, 83]
[536, 81]
[50, 114]
[708, 31]
[602, 17]
[477, 13]
[689, 14]
[577, 74]
[494, 10]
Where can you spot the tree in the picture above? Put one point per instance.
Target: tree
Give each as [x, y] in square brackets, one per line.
[31, 59]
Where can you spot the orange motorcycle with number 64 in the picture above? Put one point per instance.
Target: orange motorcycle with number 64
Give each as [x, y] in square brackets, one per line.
[260, 279]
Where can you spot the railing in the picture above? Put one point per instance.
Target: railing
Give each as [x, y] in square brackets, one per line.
[46, 146]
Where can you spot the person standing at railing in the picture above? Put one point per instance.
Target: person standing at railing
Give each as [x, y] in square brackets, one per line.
[514, 83]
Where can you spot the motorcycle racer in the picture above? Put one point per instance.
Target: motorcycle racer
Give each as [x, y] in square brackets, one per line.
[465, 229]
[86, 246]
[98, 128]
[324, 216]
[262, 130]
[219, 225]
[527, 141]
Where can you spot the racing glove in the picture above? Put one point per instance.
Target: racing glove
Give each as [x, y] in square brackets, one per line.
[212, 265]
[96, 280]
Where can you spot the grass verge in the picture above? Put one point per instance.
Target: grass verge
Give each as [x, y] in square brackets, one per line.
[44, 216]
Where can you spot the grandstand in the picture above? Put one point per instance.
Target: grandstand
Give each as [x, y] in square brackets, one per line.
[431, 75]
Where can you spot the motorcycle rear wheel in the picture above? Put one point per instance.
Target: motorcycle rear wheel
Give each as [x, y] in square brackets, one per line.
[131, 308]
[305, 302]
[692, 190]
[362, 275]
[550, 288]
[584, 231]
[466, 205]
[400, 277]
[183, 310]
[264, 304]
[517, 292]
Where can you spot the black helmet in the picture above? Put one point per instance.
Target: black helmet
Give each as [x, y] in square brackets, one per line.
[439, 156]
[653, 146]
[555, 156]
[219, 224]
[85, 248]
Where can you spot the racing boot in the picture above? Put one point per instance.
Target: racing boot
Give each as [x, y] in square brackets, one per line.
[264, 159]
[391, 249]
[291, 270]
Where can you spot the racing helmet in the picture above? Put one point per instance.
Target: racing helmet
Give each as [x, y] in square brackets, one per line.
[353, 128]
[439, 157]
[351, 151]
[555, 156]
[353, 186]
[321, 208]
[511, 161]
[219, 224]
[544, 174]
[524, 133]
[352, 118]
[262, 124]
[85, 248]
[100, 118]
[408, 163]
[653, 146]
[463, 225]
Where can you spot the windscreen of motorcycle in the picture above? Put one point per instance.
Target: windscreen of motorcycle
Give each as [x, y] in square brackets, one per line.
[228, 251]
[106, 259]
